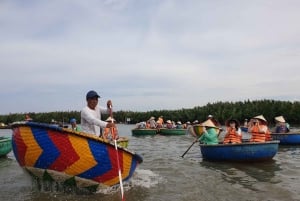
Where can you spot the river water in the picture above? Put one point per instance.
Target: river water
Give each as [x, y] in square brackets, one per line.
[164, 175]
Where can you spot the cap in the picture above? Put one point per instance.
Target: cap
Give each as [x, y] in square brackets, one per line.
[92, 94]
[73, 120]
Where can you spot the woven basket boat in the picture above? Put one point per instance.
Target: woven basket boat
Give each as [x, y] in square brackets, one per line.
[57, 154]
[5, 146]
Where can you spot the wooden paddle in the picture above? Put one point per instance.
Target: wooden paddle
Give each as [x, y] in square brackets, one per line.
[117, 153]
[188, 148]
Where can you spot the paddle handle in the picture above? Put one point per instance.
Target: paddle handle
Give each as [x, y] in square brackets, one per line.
[188, 149]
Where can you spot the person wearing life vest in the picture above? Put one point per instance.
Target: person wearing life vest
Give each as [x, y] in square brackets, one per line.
[281, 125]
[210, 135]
[233, 132]
[259, 130]
[113, 132]
[74, 125]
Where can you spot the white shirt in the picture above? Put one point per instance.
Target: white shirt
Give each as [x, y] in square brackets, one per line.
[91, 120]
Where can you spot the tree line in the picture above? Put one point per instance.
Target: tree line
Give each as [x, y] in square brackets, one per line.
[222, 111]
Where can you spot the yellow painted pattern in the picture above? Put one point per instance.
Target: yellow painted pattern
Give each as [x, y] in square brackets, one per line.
[86, 158]
[127, 159]
[33, 151]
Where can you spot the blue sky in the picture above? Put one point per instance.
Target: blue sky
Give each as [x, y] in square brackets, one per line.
[146, 55]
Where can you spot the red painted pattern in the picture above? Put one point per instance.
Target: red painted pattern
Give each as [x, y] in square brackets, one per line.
[114, 171]
[20, 146]
[67, 155]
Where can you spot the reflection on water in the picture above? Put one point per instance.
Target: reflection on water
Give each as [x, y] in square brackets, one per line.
[245, 174]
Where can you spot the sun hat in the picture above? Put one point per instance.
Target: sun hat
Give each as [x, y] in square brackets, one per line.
[280, 119]
[179, 122]
[169, 121]
[208, 123]
[195, 122]
[92, 94]
[261, 117]
[210, 116]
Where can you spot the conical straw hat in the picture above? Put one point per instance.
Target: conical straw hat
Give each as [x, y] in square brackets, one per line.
[280, 119]
[261, 117]
[209, 123]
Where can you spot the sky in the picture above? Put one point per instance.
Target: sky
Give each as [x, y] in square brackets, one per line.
[146, 55]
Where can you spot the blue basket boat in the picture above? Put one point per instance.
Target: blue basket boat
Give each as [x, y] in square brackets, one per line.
[289, 138]
[242, 152]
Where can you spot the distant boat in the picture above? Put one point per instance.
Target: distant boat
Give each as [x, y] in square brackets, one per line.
[57, 154]
[290, 138]
[4, 126]
[5, 146]
[241, 152]
[143, 131]
[175, 131]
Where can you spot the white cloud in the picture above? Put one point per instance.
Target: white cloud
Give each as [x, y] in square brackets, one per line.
[146, 55]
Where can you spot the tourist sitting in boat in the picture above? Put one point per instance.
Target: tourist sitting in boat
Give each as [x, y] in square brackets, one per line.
[74, 125]
[151, 123]
[179, 125]
[233, 132]
[169, 124]
[259, 129]
[190, 129]
[160, 122]
[281, 125]
[209, 135]
[140, 125]
[110, 133]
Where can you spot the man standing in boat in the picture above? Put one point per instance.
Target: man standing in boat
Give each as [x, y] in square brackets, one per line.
[91, 114]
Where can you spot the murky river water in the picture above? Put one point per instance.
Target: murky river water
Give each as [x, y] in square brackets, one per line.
[164, 175]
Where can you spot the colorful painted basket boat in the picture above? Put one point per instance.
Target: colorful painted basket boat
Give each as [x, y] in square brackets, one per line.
[5, 146]
[58, 154]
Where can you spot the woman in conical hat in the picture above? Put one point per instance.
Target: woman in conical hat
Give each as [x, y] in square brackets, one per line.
[259, 129]
[280, 119]
[210, 135]
[260, 117]
[281, 125]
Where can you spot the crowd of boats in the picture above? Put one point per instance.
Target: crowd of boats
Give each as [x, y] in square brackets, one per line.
[230, 142]
[65, 155]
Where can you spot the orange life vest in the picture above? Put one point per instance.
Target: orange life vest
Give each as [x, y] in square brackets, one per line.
[256, 136]
[113, 131]
[232, 136]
